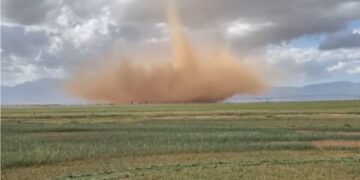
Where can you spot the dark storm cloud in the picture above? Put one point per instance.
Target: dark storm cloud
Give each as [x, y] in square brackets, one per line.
[27, 12]
[344, 40]
[289, 19]
[284, 33]
[130, 33]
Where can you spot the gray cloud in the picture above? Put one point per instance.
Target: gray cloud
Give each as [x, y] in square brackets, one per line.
[289, 18]
[344, 40]
[86, 9]
[17, 41]
[27, 11]
[202, 12]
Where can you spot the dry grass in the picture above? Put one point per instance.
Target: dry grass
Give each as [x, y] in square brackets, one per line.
[336, 144]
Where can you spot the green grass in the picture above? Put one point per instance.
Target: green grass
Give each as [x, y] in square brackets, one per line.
[68, 136]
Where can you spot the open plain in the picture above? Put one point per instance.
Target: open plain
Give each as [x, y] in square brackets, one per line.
[293, 140]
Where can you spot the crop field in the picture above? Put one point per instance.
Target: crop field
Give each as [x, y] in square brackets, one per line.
[293, 140]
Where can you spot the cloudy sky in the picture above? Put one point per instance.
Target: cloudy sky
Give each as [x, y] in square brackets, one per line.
[298, 41]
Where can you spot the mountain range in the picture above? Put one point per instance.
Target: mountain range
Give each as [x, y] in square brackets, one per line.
[51, 91]
[44, 91]
[338, 90]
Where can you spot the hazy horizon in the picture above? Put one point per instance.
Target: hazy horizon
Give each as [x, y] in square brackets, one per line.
[49, 91]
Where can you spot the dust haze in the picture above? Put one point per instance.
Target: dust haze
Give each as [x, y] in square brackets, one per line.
[191, 75]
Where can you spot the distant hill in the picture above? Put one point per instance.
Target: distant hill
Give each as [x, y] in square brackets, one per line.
[45, 91]
[51, 91]
[333, 88]
[325, 91]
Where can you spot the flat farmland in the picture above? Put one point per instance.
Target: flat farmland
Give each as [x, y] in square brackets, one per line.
[292, 140]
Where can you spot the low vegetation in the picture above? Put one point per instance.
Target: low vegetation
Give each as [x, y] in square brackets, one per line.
[299, 140]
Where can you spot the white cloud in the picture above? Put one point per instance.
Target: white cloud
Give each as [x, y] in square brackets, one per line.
[356, 31]
[311, 64]
[338, 66]
[56, 45]
[242, 28]
[88, 31]
[354, 70]
[18, 70]
[239, 29]
[63, 18]
[165, 33]
[301, 55]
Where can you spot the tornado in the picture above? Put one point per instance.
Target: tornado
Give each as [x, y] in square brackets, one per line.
[189, 75]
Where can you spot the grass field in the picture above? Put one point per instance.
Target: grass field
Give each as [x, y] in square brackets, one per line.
[300, 140]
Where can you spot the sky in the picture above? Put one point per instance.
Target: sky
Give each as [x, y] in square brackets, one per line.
[295, 42]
